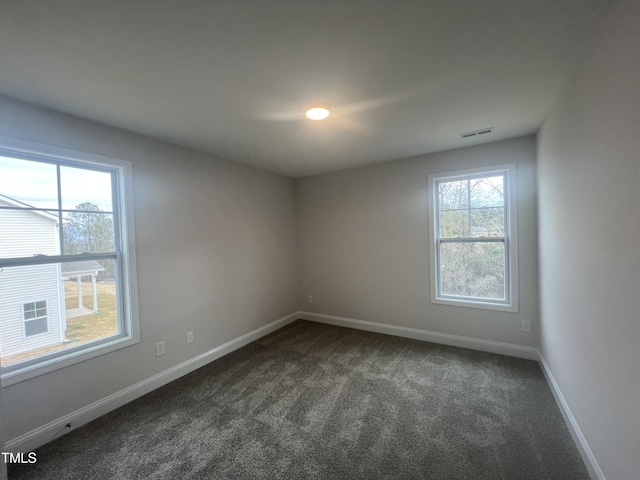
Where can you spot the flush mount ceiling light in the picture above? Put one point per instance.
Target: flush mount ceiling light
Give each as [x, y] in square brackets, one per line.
[317, 113]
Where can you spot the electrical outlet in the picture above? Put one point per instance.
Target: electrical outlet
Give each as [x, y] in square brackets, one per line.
[189, 337]
[526, 325]
[309, 299]
[160, 348]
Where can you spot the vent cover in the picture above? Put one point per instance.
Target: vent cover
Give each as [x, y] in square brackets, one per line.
[475, 133]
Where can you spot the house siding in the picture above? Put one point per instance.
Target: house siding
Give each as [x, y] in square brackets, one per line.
[23, 234]
[19, 285]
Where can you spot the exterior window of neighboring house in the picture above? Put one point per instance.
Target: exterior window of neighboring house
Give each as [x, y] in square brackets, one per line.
[67, 264]
[35, 318]
[474, 238]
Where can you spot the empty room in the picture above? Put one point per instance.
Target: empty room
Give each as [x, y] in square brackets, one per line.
[352, 239]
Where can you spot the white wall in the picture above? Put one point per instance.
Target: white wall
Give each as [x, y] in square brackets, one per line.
[364, 244]
[214, 254]
[589, 207]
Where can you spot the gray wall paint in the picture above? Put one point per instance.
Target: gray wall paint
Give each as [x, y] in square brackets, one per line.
[364, 244]
[589, 200]
[214, 243]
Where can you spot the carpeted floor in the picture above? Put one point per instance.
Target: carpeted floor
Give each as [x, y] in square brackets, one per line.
[317, 401]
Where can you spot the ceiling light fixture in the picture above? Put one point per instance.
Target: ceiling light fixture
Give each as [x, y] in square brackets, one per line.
[317, 113]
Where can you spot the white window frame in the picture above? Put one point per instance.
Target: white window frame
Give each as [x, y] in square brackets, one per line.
[125, 259]
[510, 304]
[24, 320]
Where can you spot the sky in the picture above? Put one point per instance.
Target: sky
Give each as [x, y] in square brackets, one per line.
[35, 183]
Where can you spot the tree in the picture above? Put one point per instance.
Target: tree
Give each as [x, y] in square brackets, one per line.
[90, 230]
[472, 208]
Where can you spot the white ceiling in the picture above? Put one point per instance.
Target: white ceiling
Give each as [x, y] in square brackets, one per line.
[233, 77]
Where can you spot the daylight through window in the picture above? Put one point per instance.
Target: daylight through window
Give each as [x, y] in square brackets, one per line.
[473, 244]
[64, 283]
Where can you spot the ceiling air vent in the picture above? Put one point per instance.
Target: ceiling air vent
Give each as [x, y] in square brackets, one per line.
[475, 133]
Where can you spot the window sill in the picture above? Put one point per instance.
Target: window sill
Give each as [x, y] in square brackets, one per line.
[499, 307]
[65, 360]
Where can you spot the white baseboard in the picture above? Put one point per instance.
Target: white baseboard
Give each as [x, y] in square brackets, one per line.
[501, 348]
[578, 438]
[52, 430]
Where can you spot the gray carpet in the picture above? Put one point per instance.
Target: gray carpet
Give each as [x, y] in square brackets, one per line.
[317, 401]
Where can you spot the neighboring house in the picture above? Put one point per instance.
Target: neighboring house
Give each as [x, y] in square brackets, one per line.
[31, 297]
[33, 313]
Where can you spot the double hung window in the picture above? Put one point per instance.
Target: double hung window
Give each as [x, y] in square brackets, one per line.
[67, 286]
[473, 238]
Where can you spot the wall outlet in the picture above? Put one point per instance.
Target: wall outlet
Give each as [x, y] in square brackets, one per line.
[309, 299]
[526, 325]
[160, 348]
[189, 337]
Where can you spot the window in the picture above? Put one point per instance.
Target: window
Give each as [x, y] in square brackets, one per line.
[473, 238]
[35, 318]
[67, 266]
